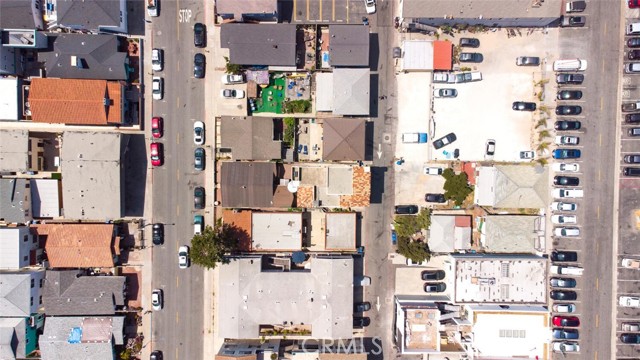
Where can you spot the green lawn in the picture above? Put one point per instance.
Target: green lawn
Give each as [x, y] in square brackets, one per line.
[270, 100]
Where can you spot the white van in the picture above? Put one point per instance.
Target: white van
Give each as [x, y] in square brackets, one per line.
[633, 29]
[570, 65]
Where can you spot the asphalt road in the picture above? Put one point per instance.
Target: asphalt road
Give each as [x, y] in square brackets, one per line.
[599, 44]
[177, 329]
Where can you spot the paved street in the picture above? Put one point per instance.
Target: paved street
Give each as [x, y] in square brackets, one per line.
[600, 44]
[177, 329]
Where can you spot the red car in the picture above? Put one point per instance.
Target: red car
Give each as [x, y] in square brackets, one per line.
[156, 127]
[566, 321]
[156, 154]
[634, 4]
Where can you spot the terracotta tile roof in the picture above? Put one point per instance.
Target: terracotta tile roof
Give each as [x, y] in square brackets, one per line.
[361, 189]
[470, 169]
[73, 101]
[242, 220]
[304, 196]
[245, 357]
[463, 221]
[442, 55]
[79, 245]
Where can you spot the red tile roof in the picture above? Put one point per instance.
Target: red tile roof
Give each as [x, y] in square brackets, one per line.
[442, 55]
[242, 220]
[72, 101]
[79, 245]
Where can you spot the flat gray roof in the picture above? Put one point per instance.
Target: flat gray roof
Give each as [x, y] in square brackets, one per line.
[321, 297]
[15, 201]
[98, 54]
[277, 231]
[340, 180]
[96, 337]
[461, 9]
[19, 14]
[88, 14]
[349, 45]
[249, 138]
[511, 234]
[340, 232]
[14, 150]
[351, 91]
[260, 44]
[238, 8]
[91, 167]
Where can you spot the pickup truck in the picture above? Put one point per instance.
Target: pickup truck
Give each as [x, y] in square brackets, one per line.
[414, 138]
[631, 263]
[152, 7]
[575, 6]
[198, 224]
[626, 107]
[566, 270]
[629, 301]
[568, 193]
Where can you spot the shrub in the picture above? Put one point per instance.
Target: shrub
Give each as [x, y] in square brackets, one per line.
[456, 187]
[289, 130]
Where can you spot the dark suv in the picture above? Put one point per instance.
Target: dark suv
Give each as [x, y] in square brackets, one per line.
[631, 171]
[198, 66]
[575, 79]
[632, 118]
[158, 234]
[406, 209]
[199, 35]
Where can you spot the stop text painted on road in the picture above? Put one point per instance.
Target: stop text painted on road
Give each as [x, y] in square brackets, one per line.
[184, 15]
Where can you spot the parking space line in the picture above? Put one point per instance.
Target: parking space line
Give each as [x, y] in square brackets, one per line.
[295, 10]
[308, 9]
[333, 10]
[320, 10]
[627, 279]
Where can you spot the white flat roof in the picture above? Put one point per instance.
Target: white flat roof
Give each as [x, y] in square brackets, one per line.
[340, 231]
[512, 279]
[45, 198]
[418, 55]
[9, 99]
[276, 231]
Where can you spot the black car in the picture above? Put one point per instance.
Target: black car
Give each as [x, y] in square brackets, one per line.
[527, 61]
[523, 106]
[199, 35]
[565, 256]
[632, 118]
[469, 42]
[566, 334]
[432, 275]
[406, 209]
[444, 141]
[158, 234]
[435, 198]
[362, 307]
[632, 159]
[198, 197]
[631, 171]
[575, 79]
[563, 295]
[633, 54]
[568, 110]
[633, 42]
[569, 95]
[566, 181]
[568, 125]
[360, 322]
[156, 355]
[630, 338]
[198, 159]
[435, 287]
[471, 57]
[198, 66]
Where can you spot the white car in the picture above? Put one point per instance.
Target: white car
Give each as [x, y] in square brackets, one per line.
[563, 206]
[629, 301]
[527, 155]
[198, 133]
[631, 263]
[566, 346]
[157, 59]
[229, 79]
[445, 93]
[183, 257]
[566, 232]
[370, 5]
[232, 93]
[433, 171]
[157, 300]
[630, 327]
[562, 167]
[564, 308]
[157, 88]
[567, 140]
[567, 193]
[564, 219]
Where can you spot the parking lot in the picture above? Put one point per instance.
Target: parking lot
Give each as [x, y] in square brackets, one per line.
[325, 11]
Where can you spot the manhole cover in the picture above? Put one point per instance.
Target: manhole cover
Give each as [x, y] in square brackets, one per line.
[386, 138]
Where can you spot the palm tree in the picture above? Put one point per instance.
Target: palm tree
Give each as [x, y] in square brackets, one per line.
[543, 146]
[543, 134]
[541, 123]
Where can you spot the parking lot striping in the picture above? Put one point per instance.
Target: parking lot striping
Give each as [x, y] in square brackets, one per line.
[307, 9]
[627, 279]
[295, 10]
[333, 10]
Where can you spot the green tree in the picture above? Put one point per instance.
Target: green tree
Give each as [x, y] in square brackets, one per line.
[456, 187]
[407, 225]
[289, 130]
[417, 251]
[210, 247]
[231, 68]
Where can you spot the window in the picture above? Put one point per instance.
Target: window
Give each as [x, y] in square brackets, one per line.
[40, 300]
[510, 333]
[33, 283]
[505, 270]
[32, 301]
[41, 282]
[26, 258]
[25, 238]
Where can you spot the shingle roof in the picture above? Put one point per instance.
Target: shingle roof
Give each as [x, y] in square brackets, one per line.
[247, 184]
[94, 340]
[351, 89]
[15, 292]
[79, 245]
[88, 14]
[18, 14]
[519, 186]
[249, 138]
[349, 45]
[260, 44]
[12, 338]
[343, 139]
[15, 200]
[511, 234]
[98, 54]
[67, 293]
[71, 101]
